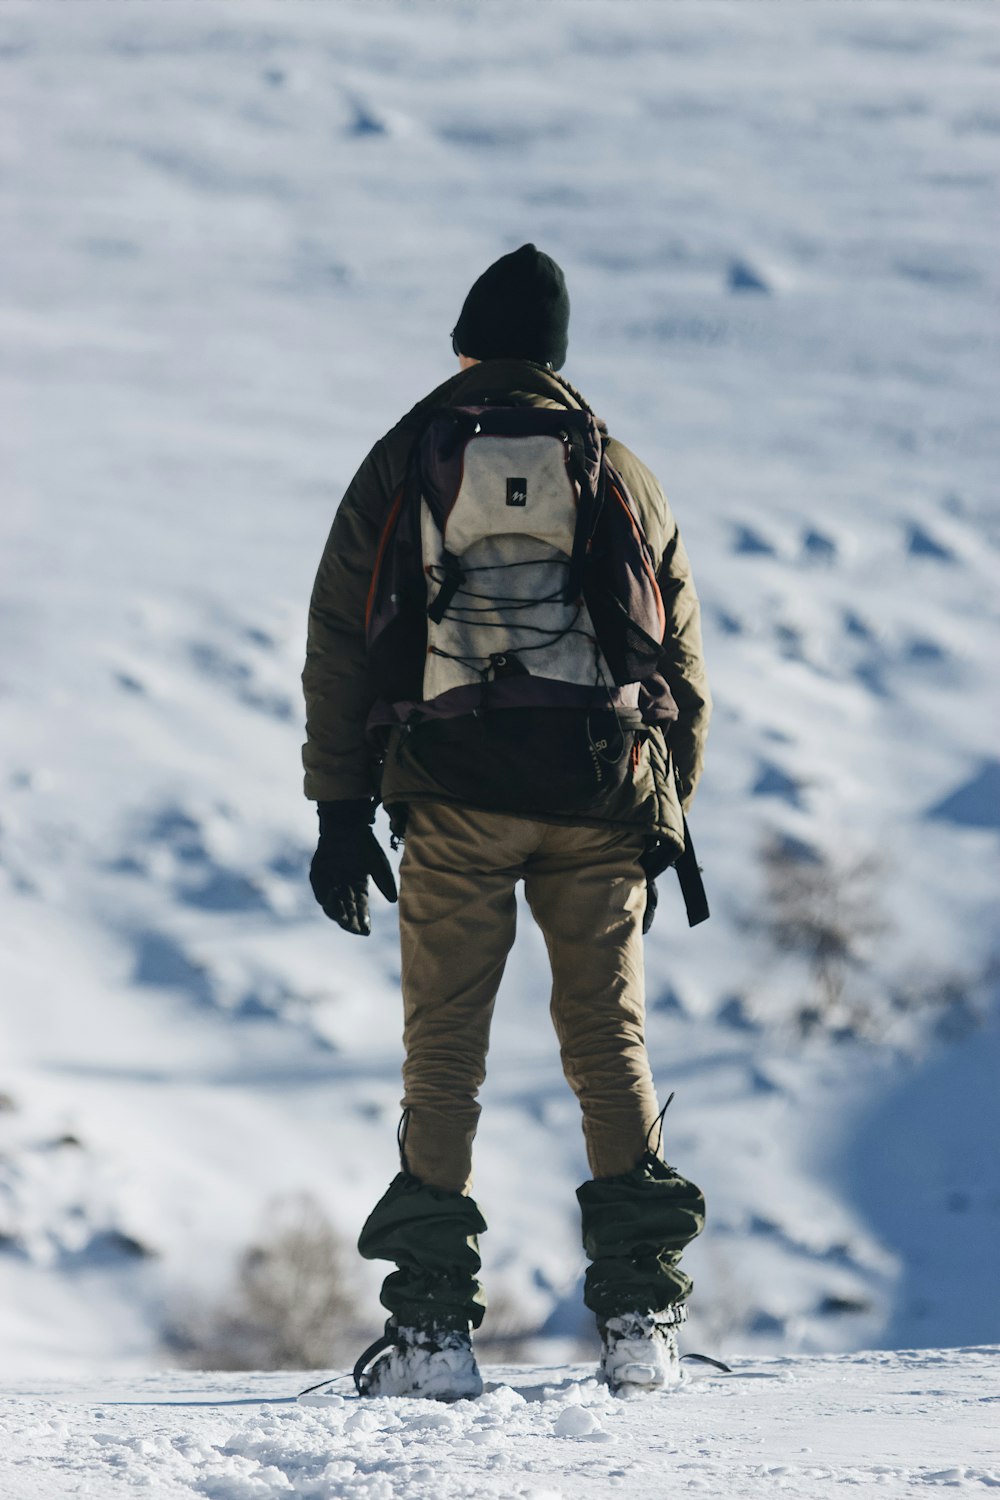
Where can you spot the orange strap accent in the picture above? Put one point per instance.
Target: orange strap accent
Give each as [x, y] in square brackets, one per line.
[660, 612]
[383, 543]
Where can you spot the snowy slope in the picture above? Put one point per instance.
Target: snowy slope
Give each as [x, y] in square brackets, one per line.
[894, 1425]
[236, 239]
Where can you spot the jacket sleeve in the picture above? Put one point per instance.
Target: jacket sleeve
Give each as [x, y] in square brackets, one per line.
[683, 662]
[337, 758]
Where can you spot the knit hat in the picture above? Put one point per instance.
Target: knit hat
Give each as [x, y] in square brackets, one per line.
[519, 308]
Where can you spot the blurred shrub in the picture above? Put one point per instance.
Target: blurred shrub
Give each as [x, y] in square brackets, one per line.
[293, 1304]
[829, 914]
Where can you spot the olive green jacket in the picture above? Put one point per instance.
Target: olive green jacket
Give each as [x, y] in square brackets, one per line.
[342, 761]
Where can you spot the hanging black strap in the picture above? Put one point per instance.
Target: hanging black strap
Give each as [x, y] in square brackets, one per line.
[692, 885]
[450, 585]
[327, 1380]
[385, 1342]
[705, 1359]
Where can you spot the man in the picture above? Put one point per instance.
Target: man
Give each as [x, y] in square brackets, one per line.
[587, 871]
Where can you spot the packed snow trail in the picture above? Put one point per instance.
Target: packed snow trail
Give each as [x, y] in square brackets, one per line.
[892, 1423]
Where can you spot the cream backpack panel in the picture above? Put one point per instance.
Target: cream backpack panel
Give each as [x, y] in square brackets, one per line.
[510, 531]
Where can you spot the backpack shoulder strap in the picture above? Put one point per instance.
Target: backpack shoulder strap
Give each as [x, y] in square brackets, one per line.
[592, 490]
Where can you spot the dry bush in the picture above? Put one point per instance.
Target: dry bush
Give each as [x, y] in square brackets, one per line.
[960, 1002]
[292, 1306]
[828, 913]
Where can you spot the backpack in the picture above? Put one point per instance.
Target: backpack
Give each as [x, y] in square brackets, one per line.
[514, 623]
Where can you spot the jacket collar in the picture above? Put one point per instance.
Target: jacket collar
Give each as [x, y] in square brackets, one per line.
[521, 380]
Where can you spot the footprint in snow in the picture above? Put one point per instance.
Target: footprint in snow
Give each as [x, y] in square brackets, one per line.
[240, 678]
[727, 623]
[922, 651]
[223, 890]
[741, 276]
[817, 547]
[975, 803]
[748, 542]
[921, 543]
[161, 962]
[772, 781]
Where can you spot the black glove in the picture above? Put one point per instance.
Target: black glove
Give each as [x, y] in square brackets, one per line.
[656, 857]
[348, 852]
[651, 900]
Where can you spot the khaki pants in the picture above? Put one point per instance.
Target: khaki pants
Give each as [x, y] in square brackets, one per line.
[457, 911]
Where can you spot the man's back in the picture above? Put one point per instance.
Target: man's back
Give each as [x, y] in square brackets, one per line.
[339, 691]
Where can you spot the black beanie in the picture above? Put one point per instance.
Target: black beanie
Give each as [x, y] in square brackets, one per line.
[519, 309]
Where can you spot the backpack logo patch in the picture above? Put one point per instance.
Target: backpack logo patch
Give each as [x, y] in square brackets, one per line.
[517, 492]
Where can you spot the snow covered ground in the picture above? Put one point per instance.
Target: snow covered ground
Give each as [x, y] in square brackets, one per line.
[889, 1424]
[236, 237]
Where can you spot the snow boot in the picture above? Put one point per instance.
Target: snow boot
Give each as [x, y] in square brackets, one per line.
[434, 1363]
[639, 1350]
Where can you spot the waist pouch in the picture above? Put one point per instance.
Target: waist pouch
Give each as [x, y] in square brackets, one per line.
[527, 760]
